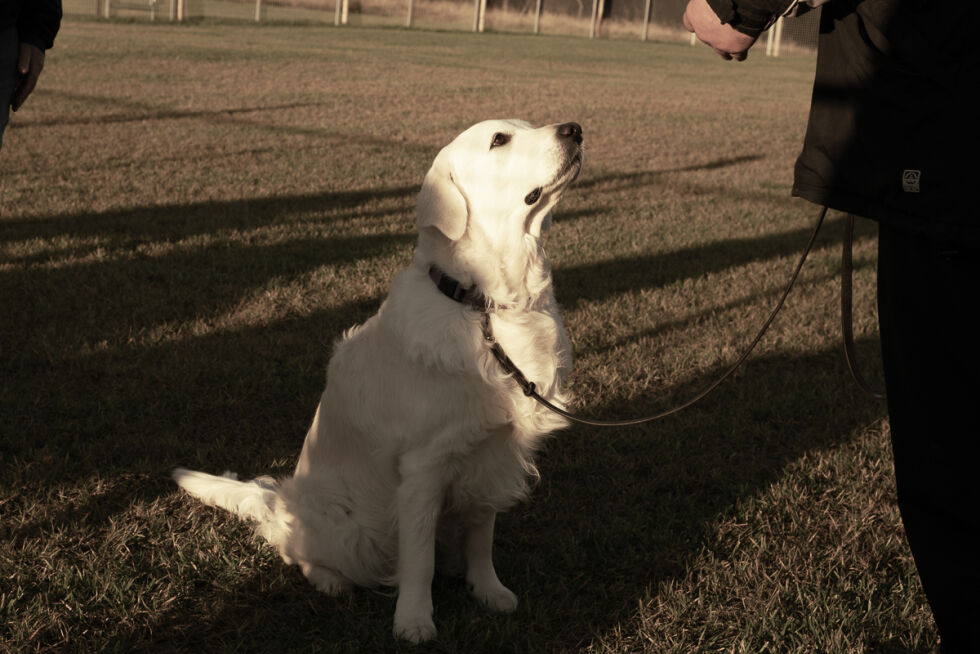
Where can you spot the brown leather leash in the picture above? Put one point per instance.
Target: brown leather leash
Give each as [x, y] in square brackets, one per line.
[478, 301]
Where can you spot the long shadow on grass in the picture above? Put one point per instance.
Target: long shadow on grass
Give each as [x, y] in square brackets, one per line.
[603, 279]
[120, 300]
[170, 222]
[229, 398]
[139, 112]
[616, 181]
[736, 302]
[118, 283]
[127, 110]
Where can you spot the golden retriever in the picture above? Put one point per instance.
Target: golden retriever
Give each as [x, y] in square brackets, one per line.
[420, 436]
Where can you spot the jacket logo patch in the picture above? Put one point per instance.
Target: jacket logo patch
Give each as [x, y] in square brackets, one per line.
[910, 180]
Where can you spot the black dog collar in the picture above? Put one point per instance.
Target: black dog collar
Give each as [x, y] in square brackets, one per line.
[457, 292]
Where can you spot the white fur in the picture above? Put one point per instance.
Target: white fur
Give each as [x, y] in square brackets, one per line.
[419, 433]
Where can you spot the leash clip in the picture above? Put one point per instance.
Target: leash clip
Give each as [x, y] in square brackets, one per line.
[485, 327]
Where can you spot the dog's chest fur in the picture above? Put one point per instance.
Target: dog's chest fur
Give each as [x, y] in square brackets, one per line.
[492, 429]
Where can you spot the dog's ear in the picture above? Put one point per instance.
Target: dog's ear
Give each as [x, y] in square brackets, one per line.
[441, 204]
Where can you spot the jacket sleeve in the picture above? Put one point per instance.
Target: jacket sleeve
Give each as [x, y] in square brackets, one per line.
[39, 22]
[751, 17]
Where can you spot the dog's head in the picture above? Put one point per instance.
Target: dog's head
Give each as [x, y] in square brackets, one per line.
[498, 179]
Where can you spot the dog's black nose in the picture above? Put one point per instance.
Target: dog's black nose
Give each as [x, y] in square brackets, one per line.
[571, 131]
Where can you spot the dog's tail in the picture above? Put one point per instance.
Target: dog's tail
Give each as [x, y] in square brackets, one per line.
[254, 499]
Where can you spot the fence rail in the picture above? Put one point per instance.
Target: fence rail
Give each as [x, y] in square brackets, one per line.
[639, 19]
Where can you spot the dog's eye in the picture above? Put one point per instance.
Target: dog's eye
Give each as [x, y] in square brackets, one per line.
[499, 139]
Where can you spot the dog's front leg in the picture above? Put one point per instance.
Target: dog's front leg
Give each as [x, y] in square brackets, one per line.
[480, 574]
[420, 496]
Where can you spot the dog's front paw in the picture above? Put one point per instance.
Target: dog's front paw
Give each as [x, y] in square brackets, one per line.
[495, 596]
[415, 629]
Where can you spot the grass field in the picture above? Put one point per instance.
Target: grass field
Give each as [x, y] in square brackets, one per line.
[192, 214]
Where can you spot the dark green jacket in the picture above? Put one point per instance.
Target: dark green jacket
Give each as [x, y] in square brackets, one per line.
[891, 134]
[37, 21]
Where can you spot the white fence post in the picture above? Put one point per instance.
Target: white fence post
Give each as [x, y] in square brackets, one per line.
[480, 16]
[408, 21]
[258, 11]
[595, 10]
[646, 18]
[537, 18]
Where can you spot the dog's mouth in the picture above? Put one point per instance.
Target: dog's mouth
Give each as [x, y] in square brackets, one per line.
[567, 174]
[572, 168]
[569, 170]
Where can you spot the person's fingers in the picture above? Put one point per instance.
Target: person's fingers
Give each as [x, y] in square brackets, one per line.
[24, 59]
[24, 89]
[701, 19]
[29, 65]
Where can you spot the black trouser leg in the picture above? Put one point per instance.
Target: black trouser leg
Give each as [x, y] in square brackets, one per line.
[927, 296]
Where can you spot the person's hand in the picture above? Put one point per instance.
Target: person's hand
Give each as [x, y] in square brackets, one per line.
[29, 66]
[724, 39]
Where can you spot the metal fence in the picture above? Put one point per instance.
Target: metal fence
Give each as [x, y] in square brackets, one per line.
[640, 19]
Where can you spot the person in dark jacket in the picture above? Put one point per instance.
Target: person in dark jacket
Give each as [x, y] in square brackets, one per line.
[889, 138]
[27, 30]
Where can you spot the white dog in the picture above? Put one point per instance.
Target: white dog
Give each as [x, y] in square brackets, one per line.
[420, 435]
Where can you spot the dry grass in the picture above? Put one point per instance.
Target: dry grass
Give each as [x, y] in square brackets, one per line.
[189, 215]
